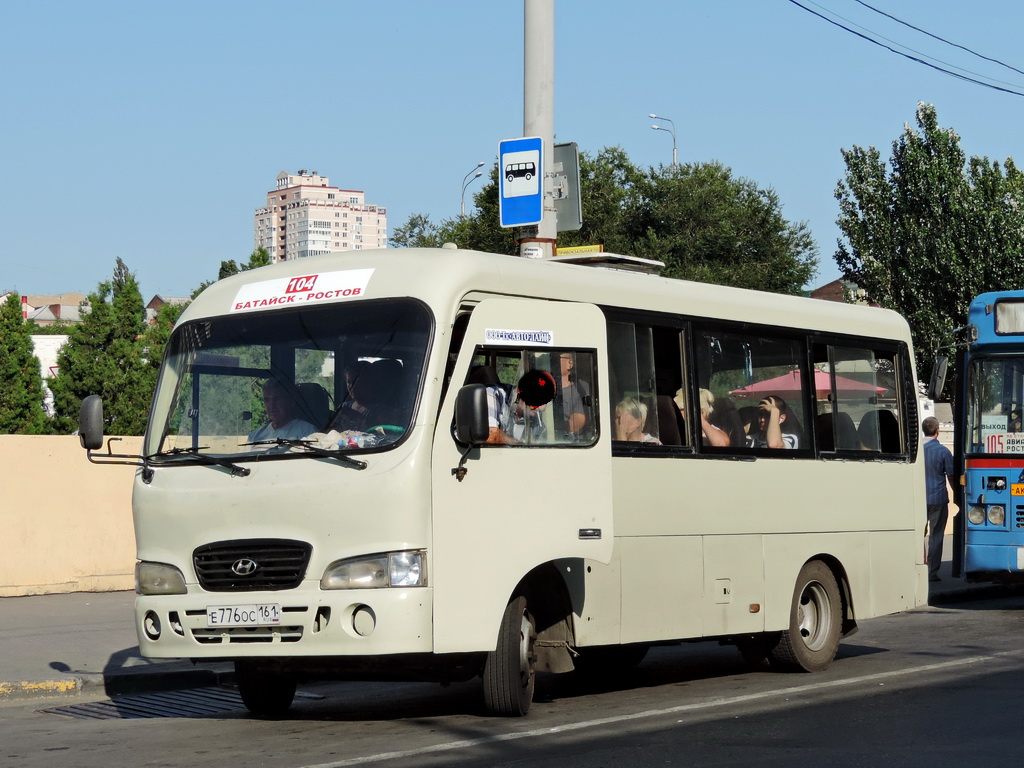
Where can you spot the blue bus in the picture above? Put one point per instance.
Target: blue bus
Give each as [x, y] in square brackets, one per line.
[989, 454]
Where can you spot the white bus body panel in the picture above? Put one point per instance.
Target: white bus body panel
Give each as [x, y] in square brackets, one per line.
[517, 507]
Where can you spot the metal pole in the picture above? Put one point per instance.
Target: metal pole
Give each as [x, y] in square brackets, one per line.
[539, 115]
[466, 181]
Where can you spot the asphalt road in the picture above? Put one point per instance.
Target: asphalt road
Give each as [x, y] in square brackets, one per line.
[935, 687]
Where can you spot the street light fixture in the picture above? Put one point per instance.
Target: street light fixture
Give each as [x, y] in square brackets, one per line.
[672, 130]
[468, 179]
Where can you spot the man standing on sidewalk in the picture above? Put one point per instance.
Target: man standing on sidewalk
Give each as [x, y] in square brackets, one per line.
[938, 465]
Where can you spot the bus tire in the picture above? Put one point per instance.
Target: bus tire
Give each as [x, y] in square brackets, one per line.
[265, 693]
[510, 178]
[511, 668]
[815, 622]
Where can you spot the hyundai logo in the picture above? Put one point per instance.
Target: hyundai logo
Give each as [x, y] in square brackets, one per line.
[244, 567]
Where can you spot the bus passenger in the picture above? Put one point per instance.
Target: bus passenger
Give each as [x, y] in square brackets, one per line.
[709, 433]
[497, 403]
[630, 415]
[771, 430]
[726, 418]
[575, 397]
[280, 402]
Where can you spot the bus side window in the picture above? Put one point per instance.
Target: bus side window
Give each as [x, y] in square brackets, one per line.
[648, 398]
[858, 400]
[763, 379]
[538, 398]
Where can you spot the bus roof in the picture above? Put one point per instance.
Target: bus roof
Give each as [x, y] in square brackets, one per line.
[441, 277]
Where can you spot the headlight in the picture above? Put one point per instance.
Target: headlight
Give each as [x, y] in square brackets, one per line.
[996, 514]
[394, 569]
[976, 515]
[158, 579]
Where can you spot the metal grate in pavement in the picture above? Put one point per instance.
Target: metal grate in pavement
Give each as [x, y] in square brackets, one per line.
[195, 702]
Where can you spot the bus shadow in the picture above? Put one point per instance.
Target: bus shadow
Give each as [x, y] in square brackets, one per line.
[664, 666]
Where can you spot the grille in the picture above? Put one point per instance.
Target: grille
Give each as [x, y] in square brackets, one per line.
[1019, 516]
[247, 635]
[279, 564]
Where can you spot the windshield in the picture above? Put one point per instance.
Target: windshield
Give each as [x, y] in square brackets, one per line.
[343, 376]
[995, 396]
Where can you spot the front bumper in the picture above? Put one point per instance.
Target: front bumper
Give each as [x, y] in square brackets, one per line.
[314, 622]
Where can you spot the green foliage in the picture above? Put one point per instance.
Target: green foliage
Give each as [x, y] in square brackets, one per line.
[930, 231]
[104, 355]
[702, 222]
[258, 258]
[21, 393]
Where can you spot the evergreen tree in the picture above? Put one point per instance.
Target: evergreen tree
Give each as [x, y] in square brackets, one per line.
[104, 356]
[21, 386]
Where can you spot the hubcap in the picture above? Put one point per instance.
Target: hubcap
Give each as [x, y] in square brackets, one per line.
[814, 616]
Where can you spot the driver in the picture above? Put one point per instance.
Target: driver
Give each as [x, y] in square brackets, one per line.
[279, 401]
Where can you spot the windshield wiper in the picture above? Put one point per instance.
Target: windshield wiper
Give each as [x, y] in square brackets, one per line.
[313, 450]
[201, 458]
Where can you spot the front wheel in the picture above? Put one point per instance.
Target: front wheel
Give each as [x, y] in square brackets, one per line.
[812, 639]
[265, 693]
[511, 668]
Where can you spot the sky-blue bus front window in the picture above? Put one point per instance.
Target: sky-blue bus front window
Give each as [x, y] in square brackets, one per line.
[994, 405]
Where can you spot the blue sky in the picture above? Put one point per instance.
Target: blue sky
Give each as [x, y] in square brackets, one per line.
[151, 131]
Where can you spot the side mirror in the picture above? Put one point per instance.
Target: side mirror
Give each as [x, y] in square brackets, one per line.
[90, 423]
[471, 425]
[938, 379]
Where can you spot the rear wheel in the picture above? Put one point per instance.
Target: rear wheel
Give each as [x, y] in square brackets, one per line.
[812, 639]
[511, 668]
[264, 692]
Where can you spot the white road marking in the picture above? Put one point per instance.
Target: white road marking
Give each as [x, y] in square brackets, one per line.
[651, 713]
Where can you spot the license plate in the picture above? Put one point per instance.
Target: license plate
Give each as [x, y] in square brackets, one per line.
[261, 615]
[1017, 489]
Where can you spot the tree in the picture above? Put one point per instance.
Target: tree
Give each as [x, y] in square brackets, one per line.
[701, 221]
[21, 395]
[258, 258]
[709, 226]
[155, 339]
[931, 230]
[104, 356]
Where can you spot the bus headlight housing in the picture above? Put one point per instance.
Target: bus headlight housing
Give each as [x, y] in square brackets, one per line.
[996, 514]
[976, 515]
[391, 569]
[158, 579]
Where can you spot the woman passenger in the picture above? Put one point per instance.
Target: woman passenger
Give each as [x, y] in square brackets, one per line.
[630, 415]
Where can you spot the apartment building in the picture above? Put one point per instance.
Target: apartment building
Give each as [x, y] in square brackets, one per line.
[306, 216]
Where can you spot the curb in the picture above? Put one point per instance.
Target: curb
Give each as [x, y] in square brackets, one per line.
[40, 689]
[123, 684]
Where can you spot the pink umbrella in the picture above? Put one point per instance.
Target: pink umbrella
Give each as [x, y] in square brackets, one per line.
[788, 386]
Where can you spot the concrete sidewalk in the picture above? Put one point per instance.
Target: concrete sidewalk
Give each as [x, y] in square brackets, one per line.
[52, 645]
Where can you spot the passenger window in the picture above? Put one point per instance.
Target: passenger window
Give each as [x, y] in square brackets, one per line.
[857, 400]
[754, 389]
[648, 397]
[538, 398]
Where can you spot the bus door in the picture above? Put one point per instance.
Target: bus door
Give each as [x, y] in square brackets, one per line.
[541, 491]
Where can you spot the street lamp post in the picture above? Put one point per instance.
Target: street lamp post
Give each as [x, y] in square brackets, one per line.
[467, 180]
[672, 130]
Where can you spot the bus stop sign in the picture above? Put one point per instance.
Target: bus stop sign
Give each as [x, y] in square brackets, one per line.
[520, 182]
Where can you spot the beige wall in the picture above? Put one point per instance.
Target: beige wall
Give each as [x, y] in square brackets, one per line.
[65, 524]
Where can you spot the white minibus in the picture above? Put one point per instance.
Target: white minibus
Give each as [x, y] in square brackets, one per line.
[437, 464]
